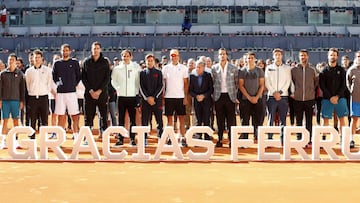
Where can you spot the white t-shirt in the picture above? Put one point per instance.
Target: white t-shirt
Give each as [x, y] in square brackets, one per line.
[174, 76]
[3, 12]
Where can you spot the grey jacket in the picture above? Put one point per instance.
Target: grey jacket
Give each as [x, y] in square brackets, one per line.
[305, 81]
[231, 81]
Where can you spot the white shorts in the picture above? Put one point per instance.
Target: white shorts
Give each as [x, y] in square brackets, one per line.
[67, 101]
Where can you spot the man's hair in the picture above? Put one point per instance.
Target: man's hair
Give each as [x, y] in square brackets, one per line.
[21, 60]
[13, 55]
[223, 49]
[96, 43]
[277, 50]
[126, 51]
[37, 51]
[149, 55]
[334, 50]
[250, 53]
[65, 46]
[304, 51]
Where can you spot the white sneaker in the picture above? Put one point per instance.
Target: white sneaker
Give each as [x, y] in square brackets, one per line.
[17, 146]
[4, 146]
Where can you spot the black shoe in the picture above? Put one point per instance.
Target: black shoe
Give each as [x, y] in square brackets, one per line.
[119, 143]
[133, 144]
[168, 142]
[324, 137]
[243, 136]
[183, 142]
[352, 144]
[219, 144]
[32, 136]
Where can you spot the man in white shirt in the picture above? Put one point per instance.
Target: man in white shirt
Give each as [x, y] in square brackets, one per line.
[175, 77]
[38, 82]
[278, 81]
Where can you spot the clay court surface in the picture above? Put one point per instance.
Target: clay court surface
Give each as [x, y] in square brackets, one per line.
[217, 180]
[179, 182]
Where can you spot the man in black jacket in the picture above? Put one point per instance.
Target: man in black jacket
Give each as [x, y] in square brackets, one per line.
[333, 85]
[12, 95]
[96, 77]
[151, 90]
[200, 88]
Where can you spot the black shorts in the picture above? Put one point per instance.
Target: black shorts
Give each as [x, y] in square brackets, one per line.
[174, 105]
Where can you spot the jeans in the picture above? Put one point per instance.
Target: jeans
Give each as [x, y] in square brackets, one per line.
[280, 106]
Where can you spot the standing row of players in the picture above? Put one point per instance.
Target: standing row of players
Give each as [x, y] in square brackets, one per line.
[218, 88]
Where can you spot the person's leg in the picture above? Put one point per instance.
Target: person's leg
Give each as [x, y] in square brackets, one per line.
[169, 111]
[299, 115]
[102, 107]
[336, 121]
[283, 110]
[90, 110]
[15, 112]
[181, 112]
[158, 112]
[145, 115]
[52, 113]
[60, 110]
[206, 114]
[342, 112]
[121, 111]
[5, 129]
[246, 109]
[112, 110]
[230, 116]
[69, 122]
[353, 125]
[220, 119]
[33, 113]
[121, 117]
[318, 110]
[5, 115]
[272, 107]
[309, 110]
[75, 123]
[291, 110]
[257, 117]
[131, 105]
[44, 110]
[188, 108]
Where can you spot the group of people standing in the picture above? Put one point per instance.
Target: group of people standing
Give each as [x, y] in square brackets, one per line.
[171, 90]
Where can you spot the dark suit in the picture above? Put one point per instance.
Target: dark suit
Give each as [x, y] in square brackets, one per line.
[206, 88]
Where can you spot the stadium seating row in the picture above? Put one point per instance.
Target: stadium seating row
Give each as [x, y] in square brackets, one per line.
[175, 15]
